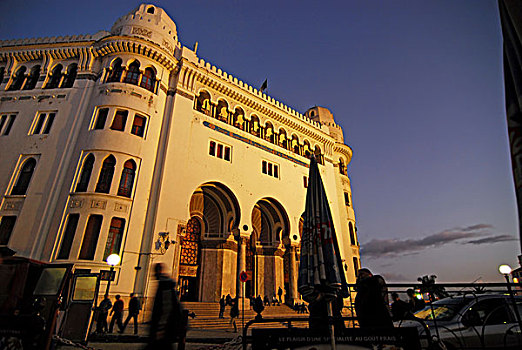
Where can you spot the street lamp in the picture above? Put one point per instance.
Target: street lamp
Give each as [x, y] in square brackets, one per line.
[506, 271]
[112, 260]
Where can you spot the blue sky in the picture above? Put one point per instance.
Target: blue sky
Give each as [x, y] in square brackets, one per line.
[416, 85]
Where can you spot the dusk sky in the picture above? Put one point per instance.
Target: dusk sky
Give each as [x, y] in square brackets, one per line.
[416, 85]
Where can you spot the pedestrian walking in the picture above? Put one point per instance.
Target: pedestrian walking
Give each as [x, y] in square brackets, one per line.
[234, 313]
[371, 302]
[103, 312]
[167, 323]
[222, 304]
[134, 310]
[117, 313]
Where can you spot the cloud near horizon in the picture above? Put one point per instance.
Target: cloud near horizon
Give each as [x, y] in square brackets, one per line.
[394, 247]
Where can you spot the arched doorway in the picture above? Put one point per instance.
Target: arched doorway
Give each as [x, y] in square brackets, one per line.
[270, 226]
[189, 261]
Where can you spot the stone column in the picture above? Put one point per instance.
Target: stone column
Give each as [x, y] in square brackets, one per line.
[293, 275]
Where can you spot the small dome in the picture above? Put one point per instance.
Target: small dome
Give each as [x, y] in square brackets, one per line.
[325, 117]
[151, 23]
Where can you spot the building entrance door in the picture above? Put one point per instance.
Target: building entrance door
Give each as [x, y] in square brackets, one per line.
[188, 288]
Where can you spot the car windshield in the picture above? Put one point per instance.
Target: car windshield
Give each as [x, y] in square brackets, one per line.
[443, 310]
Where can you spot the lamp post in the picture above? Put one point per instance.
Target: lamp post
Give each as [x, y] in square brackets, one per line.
[506, 271]
[112, 260]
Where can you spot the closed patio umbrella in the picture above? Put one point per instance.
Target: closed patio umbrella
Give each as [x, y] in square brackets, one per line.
[320, 270]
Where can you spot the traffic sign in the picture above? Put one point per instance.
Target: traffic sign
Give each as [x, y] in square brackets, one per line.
[243, 277]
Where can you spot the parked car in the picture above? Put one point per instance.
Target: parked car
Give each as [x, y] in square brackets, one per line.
[486, 321]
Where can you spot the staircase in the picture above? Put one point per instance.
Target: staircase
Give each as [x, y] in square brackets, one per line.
[207, 316]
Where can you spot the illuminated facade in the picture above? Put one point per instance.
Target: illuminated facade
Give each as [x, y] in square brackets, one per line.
[125, 141]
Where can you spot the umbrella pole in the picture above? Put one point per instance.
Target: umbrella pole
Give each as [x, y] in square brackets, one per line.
[331, 325]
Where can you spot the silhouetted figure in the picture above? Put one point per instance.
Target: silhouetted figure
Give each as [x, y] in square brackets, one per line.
[134, 310]
[117, 313]
[414, 303]
[234, 313]
[222, 304]
[371, 302]
[167, 323]
[228, 300]
[103, 312]
[280, 294]
[399, 309]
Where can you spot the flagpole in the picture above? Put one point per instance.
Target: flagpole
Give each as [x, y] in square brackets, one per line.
[331, 324]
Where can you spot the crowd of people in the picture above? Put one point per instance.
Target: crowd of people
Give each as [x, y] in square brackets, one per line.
[107, 308]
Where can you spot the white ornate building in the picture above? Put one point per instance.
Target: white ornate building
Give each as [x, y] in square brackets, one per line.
[126, 141]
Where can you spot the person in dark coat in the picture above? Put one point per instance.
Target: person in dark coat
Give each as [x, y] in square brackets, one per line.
[399, 309]
[234, 312]
[371, 302]
[280, 294]
[103, 312]
[222, 304]
[134, 310]
[167, 323]
[117, 313]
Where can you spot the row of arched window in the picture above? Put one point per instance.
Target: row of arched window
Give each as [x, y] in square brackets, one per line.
[132, 74]
[57, 78]
[253, 126]
[104, 183]
[91, 237]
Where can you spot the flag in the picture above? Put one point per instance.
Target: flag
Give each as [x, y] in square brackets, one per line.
[511, 21]
[264, 86]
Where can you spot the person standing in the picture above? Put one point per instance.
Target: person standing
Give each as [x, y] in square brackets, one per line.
[103, 312]
[167, 323]
[371, 302]
[414, 303]
[134, 310]
[117, 313]
[280, 294]
[222, 303]
[234, 313]
[399, 308]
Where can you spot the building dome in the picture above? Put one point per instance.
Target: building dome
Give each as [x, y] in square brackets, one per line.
[325, 117]
[151, 23]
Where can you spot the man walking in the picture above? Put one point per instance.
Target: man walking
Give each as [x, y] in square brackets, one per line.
[103, 312]
[134, 310]
[371, 302]
[117, 313]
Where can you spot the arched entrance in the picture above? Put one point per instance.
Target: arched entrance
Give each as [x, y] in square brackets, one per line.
[189, 261]
[216, 209]
[270, 226]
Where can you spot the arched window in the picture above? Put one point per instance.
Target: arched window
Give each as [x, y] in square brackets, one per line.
[127, 179]
[342, 167]
[20, 188]
[239, 118]
[222, 111]
[70, 77]
[33, 78]
[85, 176]
[114, 238]
[294, 145]
[115, 71]
[318, 155]
[18, 79]
[254, 126]
[307, 151]
[55, 78]
[90, 238]
[283, 140]
[352, 234]
[148, 79]
[133, 73]
[269, 133]
[106, 174]
[203, 103]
